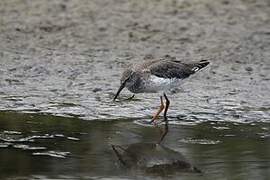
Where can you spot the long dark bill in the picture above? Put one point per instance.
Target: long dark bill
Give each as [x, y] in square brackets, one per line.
[119, 90]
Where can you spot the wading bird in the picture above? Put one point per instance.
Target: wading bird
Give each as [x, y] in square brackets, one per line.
[155, 76]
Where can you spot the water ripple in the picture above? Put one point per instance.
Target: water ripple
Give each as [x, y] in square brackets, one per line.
[199, 141]
[56, 154]
[17, 140]
[27, 147]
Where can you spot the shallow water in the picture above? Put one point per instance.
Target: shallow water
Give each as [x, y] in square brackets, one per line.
[43, 146]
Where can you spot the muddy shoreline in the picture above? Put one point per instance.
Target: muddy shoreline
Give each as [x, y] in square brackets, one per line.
[65, 57]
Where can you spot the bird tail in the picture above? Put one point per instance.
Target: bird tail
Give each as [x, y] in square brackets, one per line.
[200, 65]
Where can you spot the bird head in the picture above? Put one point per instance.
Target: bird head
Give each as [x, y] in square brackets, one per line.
[128, 79]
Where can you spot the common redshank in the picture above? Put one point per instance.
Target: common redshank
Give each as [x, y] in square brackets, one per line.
[155, 76]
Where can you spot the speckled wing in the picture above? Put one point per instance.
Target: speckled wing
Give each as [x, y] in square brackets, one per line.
[175, 69]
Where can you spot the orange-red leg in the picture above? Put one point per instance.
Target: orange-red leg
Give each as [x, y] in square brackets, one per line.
[166, 128]
[161, 107]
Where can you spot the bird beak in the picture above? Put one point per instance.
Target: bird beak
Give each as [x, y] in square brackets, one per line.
[119, 90]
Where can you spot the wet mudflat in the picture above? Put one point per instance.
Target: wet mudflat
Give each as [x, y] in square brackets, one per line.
[39, 146]
[64, 58]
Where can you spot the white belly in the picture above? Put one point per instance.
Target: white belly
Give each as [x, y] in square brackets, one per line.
[156, 84]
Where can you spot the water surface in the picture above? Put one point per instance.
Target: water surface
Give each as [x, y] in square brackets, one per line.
[43, 146]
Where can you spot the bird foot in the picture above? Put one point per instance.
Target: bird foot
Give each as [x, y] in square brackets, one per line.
[152, 121]
[155, 122]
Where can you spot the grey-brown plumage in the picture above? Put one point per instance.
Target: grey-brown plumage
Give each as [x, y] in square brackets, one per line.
[174, 69]
[158, 75]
